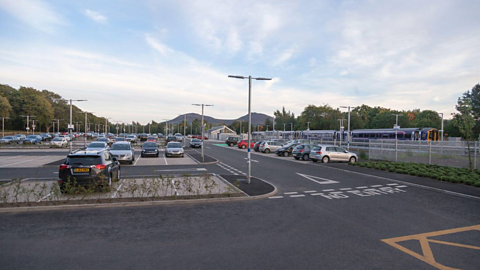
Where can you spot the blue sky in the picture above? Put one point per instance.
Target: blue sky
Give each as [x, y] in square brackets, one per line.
[150, 60]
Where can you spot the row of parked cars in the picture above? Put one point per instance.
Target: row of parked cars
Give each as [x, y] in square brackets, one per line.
[298, 149]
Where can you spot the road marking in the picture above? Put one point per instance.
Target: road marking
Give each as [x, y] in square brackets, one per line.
[345, 189]
[392, 184]
[427, 255]
[361, 187]
[376, 186]
[51, 193]
[288, 193]
[253, 160]
[165, 159]
[326, 190]
[316, 194]
[137, 159]
[181, 170]
[119, 187]
[276, 197]
[201, 169]
[55, 172]
[310, 191]
[21, 162]
[400, 186]
[296, 196]
[323, 181]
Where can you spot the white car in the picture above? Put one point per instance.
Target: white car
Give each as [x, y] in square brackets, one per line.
[59, 142]
[270, 146]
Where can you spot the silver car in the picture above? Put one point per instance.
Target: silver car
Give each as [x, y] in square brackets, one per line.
[174, 149]
[270, 146]
[123, 151]
[9, 139]
[327, 153]
[96, 146]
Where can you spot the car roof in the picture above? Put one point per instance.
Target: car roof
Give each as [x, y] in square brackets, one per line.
[122, 142]
[87, 153]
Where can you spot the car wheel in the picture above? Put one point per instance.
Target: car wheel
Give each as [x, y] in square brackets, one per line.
[314, 160]
[352, 160]
[297, 158]
[267, 150]
[285, 154]
[305, 157]
[325, 159]
[230, 144]
[243, 147]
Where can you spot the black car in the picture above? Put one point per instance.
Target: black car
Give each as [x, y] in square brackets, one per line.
[256, 146]
[286, 150]
[143, 137]
[231, 141]
[105, 140]
[149, 149]
[87, 168]
[171, 139]
[194, 143]
[302, 151]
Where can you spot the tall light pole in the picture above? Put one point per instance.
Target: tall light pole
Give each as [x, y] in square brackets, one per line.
[308, 125]
[348, 135]
[3, 125]
[166, 128]
[70, 126]
[58, 125]
[396, 127]
[86, 130]
[106, 127]
[341, 130]
[203, 128]
[28, 121]
[441, 131]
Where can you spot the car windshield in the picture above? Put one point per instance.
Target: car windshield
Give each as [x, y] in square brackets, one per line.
[131, 136]
[196, 140]
[120, 139]
[57, 139]
[84, 160]
[122, 146]
[96, 145]
[174, 145]
[103, 140]
[149, 145]
[151, 138]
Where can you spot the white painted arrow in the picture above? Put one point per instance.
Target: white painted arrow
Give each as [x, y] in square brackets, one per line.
[323, 181]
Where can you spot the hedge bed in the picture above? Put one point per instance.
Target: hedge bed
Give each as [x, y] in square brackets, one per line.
[442, 173]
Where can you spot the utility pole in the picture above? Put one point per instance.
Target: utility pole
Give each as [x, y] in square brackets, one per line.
[349, 139]
[184, 129]
[396, 127]
[203, 128]
[342, 128]
[28, 121]
[3, 125]
[308, 125]
[70, 126]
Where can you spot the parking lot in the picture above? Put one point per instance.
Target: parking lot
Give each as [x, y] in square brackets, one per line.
[376, 219]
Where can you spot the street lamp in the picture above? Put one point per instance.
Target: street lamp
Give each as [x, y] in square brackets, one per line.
[184, 127]
[341, 130]
[28, 121]
[85, 134]
[70, 126]
[3, 125]
[249, 116]
[308, 125]
[396, 127]
[58, 125]
[348, 135]
[203, 128]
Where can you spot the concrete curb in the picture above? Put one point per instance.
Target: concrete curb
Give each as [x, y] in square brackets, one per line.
[203, 163]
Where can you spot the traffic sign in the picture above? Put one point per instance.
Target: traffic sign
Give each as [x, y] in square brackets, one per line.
[70, 126]
[27, 128]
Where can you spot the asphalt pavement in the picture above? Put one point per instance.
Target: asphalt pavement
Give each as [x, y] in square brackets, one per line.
[322, 217]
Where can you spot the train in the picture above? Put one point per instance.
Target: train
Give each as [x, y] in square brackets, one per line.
[413, 134]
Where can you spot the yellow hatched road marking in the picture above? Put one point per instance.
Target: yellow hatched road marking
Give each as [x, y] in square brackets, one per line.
[427, 255]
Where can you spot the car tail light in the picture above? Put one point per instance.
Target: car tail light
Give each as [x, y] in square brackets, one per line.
[64, 166]
[319, 152]
[301, 151]
[100, 166]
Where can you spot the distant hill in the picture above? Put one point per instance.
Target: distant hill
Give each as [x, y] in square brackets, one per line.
[257, 119]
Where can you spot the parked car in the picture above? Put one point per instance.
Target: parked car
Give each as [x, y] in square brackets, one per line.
[244, 144]
[132, 139]
[98, 168]
[151, 139]
[256, 146]
[286, 150]
[231, 141]
[105, 140]
[97, 146]
[327, 153]
[46, 137]
[32, 139]
[9, 140]
[20, 137]
[302, 151]
[120, 139]
[123, 151]
[196, 143]
[160, 135]
[179, 137]
[174, 149]
[59, 142]
[171, 139]
[149, 149]
[269, 146]
[143, 137]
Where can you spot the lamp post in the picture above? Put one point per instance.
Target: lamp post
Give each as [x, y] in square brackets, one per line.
[341, 130]
[203, 128]
[441, 131]
[3, 125]
[249, 117]
[70, 126]
[396, 127]
[166, 128]
[28, 121]
[87, 125]
[348, 135]
[308, 125]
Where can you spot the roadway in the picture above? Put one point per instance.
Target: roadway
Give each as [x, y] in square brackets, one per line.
[324, 216]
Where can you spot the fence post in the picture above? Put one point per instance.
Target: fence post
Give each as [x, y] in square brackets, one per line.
[396, 149]
[369, 149]
[430, 153]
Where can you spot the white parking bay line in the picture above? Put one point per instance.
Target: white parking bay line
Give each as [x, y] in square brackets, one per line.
[325, 190]
[401, 186]
[137, 159]
[296, 196]
[21, 162]
[289, 193]
[361, 187]
[276, 197]
[201, 169]
[316, 194]
[181, 170]
[345, 189]
[392, 184]
[376, 186]
[310, 191]
[166, 163]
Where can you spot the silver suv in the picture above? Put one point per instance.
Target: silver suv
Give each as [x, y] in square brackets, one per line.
[327, 153]
[123, 151]
[270, 146]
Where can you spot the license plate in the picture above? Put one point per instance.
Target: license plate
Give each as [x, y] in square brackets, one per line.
[81, 170]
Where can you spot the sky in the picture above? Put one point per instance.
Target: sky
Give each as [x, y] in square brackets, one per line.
[149, 60]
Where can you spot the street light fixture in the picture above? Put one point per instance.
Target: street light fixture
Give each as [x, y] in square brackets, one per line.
[348, 134]
[28, 121]
[396, 127]
[70, 126]
[86, 130]
[203, 128]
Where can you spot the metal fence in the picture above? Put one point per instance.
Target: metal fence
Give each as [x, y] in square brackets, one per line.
[445, 154]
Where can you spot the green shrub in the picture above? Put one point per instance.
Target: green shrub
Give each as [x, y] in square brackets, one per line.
[363, 154]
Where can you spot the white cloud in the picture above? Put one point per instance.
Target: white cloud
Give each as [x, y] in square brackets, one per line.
[284, 56]
[34, 13]
[157, 45]
[95, 15]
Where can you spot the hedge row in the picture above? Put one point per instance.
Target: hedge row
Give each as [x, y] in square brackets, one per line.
[442, 173]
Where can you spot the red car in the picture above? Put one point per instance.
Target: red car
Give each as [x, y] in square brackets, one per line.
[244, 144]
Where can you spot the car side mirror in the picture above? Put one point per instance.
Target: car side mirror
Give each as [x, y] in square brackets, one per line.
[345, 151]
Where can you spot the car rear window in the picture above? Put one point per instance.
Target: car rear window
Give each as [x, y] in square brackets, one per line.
[174, 145]
[84, 160]
[150, 145]
[122, 146]
[317, 148]
[300, 147]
